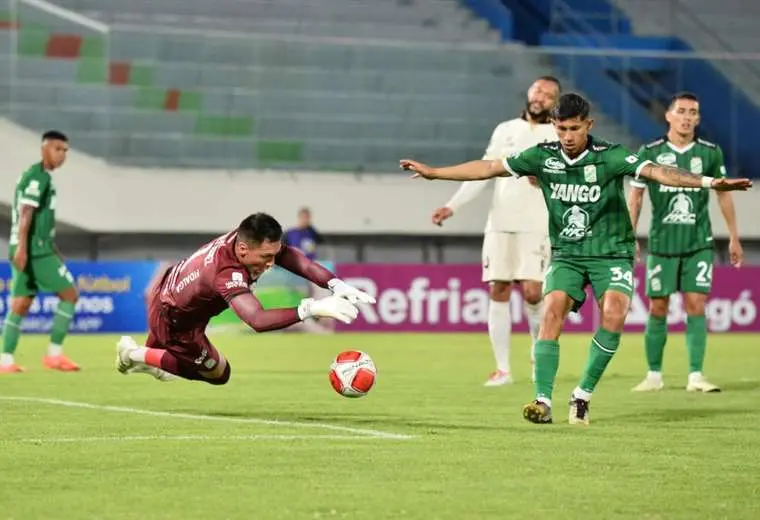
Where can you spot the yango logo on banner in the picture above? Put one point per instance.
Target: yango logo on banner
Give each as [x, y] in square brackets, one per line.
[112, 297]
[452, 298]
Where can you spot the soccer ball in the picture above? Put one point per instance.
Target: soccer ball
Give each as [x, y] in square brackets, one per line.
[353, 373]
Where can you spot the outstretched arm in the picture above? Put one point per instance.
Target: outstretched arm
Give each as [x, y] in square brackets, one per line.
[296, 262]
[469, 171]
[249, 310]
[671, 176]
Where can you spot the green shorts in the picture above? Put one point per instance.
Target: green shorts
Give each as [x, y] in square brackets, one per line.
[690, 273]
[572, 275]
[43, 273]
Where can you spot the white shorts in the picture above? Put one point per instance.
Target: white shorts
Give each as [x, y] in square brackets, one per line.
[509, 257]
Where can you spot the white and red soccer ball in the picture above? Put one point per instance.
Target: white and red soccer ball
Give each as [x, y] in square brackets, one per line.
[353, 373]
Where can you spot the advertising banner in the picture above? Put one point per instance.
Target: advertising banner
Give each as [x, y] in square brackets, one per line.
[452, 298]
[112, 297]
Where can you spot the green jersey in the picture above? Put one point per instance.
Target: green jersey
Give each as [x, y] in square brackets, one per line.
[35, 188]
[588, 214]
[681, 216]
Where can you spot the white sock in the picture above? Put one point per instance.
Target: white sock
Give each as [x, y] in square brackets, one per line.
[695, 376]
[138, 355]
[656, 376]
[581, 394]
[500, 330]
[55, 350]
[6, 359]
[533, 312]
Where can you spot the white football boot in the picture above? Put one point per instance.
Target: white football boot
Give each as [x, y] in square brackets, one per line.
[698, 383]
[652, 383]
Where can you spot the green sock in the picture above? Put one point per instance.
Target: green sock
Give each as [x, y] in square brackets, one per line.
[696, 342]
[654, 341]
[547, 363]
[11, 332]
[63, 314]
[603, 347]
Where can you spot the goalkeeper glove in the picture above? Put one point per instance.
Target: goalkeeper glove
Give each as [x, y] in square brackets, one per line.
[330, 307]
[352, 294]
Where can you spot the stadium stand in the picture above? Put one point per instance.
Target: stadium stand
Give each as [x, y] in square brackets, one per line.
[214, 87]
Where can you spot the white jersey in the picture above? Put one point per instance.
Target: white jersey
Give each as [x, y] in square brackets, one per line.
[517, 205]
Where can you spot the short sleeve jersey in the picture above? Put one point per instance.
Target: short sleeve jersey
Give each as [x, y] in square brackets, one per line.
[35, 188]
[202, 285]
[588, 214]
[681, 216]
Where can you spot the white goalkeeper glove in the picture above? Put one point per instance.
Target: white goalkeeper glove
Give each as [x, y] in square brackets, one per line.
[330, 307]
[352, 294]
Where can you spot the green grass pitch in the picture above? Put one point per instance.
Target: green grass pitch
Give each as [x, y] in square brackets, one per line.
[279, 443]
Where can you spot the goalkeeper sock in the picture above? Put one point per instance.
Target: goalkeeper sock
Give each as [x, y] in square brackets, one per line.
[11, 334]
[655, 337]
[603, 347]
[499, 330]
[63, 315]
[696, 342]
[166, 361]
[547, 363]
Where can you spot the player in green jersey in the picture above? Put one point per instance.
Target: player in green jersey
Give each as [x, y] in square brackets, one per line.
[680, 252]
[590, 230]
[35, 262]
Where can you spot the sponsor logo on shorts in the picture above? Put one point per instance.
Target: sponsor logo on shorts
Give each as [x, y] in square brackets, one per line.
[200, 359]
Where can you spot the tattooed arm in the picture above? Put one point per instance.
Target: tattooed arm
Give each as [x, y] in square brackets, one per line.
[671, 176]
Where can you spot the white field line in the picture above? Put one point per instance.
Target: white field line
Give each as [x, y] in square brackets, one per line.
[212, 418]
[154, 438]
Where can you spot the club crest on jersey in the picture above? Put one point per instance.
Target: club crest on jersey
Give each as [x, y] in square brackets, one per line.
[666, 158]
[576, 224]
[695, 165]
[680, 211]
[589, 172]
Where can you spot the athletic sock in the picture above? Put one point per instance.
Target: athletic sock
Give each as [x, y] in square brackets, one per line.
[63, 315]
[11, 335]
[696, 342]
[655, 337]
[603, 347]
[547, 363]
[500, 330]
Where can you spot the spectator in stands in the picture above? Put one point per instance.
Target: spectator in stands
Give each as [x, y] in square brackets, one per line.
[304, 236]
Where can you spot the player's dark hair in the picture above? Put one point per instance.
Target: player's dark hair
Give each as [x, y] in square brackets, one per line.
[258, 228]
[55, 135]
[684, 94]
[569, 106]
[551, 79]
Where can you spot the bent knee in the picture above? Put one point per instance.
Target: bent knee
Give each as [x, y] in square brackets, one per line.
[223, 378]
[501, 291]
[658, 307]
[70, 295]
[532, 294]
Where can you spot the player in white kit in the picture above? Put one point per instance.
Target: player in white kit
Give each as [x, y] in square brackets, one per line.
[516, 244]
